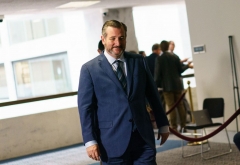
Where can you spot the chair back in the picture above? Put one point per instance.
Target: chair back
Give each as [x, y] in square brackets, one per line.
[215, 107]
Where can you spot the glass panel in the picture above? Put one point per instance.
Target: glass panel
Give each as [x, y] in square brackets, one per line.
[23, 79]
[38, 28]
[60, 76]
[28, 30]
[3, 83]
[53, 26]
[42, 76]
[16, 31]
[25, 30]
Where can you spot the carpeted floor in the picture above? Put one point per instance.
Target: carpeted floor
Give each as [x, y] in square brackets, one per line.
[168, 154]
[174, 157]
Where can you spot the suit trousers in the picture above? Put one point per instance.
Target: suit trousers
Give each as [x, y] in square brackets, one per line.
[137, 153]
[171, 98]
[236, 140]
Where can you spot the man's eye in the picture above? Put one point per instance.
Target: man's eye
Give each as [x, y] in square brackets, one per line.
[112, 38]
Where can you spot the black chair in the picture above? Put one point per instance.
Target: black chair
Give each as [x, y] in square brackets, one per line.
[236, 140]
[215, 109]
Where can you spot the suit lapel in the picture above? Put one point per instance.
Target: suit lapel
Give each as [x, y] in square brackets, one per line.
[130, 66]
[107, 68]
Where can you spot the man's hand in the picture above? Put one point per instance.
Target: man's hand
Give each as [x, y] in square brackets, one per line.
[93, 152]
[163, 136]
[190, 64]
[184, 60]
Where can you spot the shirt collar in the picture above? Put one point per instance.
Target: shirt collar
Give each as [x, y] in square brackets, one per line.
[111, 60]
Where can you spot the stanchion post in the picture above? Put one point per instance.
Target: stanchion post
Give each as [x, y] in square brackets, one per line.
[190, 98]
[193, 120]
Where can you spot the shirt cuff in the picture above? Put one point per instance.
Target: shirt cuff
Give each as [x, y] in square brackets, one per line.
[90, 143]
[164, 129]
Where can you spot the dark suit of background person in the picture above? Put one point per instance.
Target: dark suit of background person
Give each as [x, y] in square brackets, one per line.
[168, 71]
[142, 53]
[171, 51]
[100, 47]
[122, 130]
[152, 57]
[156, 50]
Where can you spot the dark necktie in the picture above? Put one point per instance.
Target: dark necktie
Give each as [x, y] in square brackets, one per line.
[120, 74]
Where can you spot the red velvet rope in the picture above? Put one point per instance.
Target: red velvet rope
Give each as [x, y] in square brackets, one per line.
[209, 135]
[176, 104]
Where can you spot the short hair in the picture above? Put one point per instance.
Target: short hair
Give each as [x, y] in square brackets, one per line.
[164, 46]
[113, 23]
[141, 52]
[100, 45]
[156, 47]
[133, 51]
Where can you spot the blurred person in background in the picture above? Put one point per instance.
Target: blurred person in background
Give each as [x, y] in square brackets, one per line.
[100, 47]
[142, 53]
[168, 70]
[185, 102]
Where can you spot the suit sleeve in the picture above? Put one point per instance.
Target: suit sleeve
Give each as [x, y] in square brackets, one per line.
[181, 67]
[154, 100]
[86, 105]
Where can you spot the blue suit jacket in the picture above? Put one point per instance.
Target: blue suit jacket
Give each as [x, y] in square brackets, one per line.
[106, 111]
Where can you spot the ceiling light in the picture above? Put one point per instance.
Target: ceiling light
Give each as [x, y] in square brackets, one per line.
[78, 4]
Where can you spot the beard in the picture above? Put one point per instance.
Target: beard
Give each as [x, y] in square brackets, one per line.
[116, 52]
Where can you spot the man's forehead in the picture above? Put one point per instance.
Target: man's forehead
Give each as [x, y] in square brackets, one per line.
[112, 31]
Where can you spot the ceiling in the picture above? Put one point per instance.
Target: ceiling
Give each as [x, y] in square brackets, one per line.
[19, 7]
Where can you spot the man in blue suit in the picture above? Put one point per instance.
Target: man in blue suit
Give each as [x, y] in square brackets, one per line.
[116, 127]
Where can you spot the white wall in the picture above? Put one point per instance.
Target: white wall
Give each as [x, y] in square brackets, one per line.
[210, 23]
[83, 31]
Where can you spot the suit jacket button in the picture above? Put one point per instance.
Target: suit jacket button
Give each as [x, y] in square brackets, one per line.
[130, 120]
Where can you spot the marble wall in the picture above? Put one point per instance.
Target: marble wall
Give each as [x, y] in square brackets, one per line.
[30, 134]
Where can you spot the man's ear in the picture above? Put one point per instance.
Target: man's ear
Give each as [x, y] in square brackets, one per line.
[103, 40]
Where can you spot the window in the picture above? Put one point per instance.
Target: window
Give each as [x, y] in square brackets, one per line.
[54, 26]
[3, 83]
[25, 30]
[42, 76]
[38, 28]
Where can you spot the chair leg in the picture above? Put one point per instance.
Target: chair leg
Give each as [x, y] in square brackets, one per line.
[225, 153]
[209, 147]
[197, 153]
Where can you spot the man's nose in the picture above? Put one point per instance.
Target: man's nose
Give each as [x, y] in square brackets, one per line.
[117, 42]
